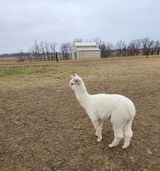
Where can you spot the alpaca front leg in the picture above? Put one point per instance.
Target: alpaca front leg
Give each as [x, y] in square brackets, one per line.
[98, 126]
[96, 133]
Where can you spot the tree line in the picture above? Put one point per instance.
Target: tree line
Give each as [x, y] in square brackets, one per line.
[47, 51]
[137, 47]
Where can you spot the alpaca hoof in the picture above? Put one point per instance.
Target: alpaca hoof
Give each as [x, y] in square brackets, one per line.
[110, 145]
[99, 140]
[124, 146]
[96, 134]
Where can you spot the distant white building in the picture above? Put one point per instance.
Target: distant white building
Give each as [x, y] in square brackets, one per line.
[82, 50]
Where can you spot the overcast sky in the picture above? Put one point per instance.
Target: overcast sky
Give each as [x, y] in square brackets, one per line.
[24, 21]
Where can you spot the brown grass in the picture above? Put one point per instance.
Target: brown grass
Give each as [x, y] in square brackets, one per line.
[44, 128]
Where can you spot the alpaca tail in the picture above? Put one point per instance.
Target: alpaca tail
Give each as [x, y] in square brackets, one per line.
[131, 110]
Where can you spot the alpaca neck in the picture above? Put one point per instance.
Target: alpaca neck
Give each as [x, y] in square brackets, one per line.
[82, 96]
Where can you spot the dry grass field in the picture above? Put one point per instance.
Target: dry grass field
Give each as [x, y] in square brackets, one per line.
[43, 128]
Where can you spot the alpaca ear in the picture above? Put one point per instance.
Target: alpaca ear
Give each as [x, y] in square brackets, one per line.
[76, 75]
[72, 76]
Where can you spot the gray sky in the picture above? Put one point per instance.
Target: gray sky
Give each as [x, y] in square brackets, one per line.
[24, 21]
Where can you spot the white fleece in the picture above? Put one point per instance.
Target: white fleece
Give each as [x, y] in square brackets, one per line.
[100, 107]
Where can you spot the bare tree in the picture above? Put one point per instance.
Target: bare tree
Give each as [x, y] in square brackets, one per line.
[47, 50]
[77, 40]
[147, 44]
[98, 41]
[42, 50]
[138, 46]
[21, 56]
[29, 57]
[134, 47]
[66, 50]
[36, 51]
[102, 47]
[109, 48]
[53, 50]
[121, 48]
[157, 47]
[106, 49]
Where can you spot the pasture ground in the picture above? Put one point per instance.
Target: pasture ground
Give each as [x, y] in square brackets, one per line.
[43, 128]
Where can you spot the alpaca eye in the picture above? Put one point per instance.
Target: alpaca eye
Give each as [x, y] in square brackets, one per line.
[72, 84]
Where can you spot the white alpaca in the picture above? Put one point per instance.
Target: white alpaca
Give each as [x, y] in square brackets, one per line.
[100, 107]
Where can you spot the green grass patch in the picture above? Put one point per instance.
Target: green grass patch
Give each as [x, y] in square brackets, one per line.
[24, 71]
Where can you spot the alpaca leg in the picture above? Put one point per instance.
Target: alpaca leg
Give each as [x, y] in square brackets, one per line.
[127, 135]
[118, 126]
[115, 142]
[118, 136]
[126, 142]
[96, 133]
[98, 126]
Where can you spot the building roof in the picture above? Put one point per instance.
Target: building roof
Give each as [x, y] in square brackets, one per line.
[88, 49]
[85, 44]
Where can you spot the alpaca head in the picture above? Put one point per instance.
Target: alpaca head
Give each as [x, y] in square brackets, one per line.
[76, 82]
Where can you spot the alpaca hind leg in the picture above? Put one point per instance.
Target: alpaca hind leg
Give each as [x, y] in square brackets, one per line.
[118, 125]
[115, 142]
[118, 136]
[96, 133]
[127, 135]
